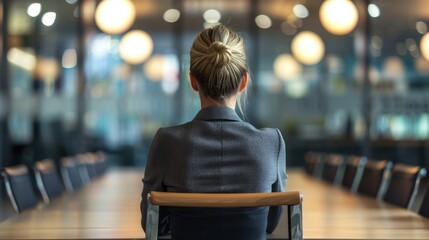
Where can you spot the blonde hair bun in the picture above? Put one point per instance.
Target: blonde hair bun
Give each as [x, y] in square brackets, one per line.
[219, 54]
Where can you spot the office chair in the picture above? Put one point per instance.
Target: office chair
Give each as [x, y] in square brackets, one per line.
[374, 178]
[19, 187]
[48, 180]
[86, 163]
[71, 174]
[333, 170]
[292, 199]
[314, 164]
[403, 185]
[353, 172]
[424, 208]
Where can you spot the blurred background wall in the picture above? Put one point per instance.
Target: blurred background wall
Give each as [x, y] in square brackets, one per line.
[338, 76]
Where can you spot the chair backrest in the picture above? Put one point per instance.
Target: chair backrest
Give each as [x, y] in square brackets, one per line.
[20, 188]
[314, 163]
[292, 199]
[373, 176]
[332, 168]
[424, 208]
[403, 185]
[86, 163]
[48, 180]
[6, 208]
[70, 174]
[353, 172]
[100, 163]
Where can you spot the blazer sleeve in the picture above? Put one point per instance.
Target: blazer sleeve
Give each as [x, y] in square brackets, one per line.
[275, 212]
[153, 181]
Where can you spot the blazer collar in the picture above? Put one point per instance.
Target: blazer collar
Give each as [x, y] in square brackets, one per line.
[217, 113]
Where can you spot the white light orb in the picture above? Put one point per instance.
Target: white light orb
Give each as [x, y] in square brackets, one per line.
[34, 9]
[212, 16]
[263, 21]
[48, 18]
[171, 15]
[339, 17]
[135, 46]
[308, 48]
[115, 16]
[286, 67]
[424, 46]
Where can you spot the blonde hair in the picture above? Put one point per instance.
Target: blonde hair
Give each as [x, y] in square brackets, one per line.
[218, 62]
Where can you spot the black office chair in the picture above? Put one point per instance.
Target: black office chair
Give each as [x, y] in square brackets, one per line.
[235, 227]
[403, 185]
[86, 164]
[374, 178]
[424, 208]
[48, 180]
[100, 163]
[20, 188]
[333, 170]
[71, 174]
[353, 172]
[314, 163]
[6, 208]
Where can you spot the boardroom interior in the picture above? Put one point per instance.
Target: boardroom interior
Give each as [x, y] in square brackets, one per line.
[83, 76]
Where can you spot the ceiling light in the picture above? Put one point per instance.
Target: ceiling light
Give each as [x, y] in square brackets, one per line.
[373, 10]
[308, 48]
[300, 11]
[34, 9]
[263, 21]
[212, 16]
[339, 17]
[49, 18]
[136, 46]
[171, 15]
[115, 16]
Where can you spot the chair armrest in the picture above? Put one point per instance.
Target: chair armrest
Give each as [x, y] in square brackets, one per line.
[225, 199]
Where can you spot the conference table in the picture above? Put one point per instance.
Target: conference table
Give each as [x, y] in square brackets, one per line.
[108, 208]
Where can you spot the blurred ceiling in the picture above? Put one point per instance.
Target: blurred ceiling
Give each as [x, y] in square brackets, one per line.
[397, 16]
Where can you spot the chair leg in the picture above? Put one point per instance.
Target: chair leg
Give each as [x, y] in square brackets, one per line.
[295, 222]
[152, 221]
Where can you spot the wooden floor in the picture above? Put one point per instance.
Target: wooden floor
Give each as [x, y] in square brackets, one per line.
[109, 209]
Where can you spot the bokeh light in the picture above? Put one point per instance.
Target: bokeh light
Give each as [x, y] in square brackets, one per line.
[339, 17]
[136, 46]
[308, 48]
[115, 16]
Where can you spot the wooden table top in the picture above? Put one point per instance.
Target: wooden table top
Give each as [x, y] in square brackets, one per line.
[108, 208]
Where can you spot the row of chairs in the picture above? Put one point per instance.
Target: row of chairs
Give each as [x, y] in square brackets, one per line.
[50, 179]
[397, 184]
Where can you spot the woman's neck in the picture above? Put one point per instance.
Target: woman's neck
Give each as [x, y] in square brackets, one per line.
[207, 102]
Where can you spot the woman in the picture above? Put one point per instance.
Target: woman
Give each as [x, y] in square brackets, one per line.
[216, 152]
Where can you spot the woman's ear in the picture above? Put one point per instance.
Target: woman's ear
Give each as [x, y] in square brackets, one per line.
[194, 83]
[243, 84]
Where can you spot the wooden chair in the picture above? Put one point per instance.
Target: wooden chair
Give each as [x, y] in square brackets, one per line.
[48, 180]
[374, 178]
[71, 175]
[292, 199]
[424, 208]
[403, 185]
[333, 170]
[314, 163]
[19, 187]
[353, 172]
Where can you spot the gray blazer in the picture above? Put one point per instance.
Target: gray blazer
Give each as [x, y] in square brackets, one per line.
[215, 153]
